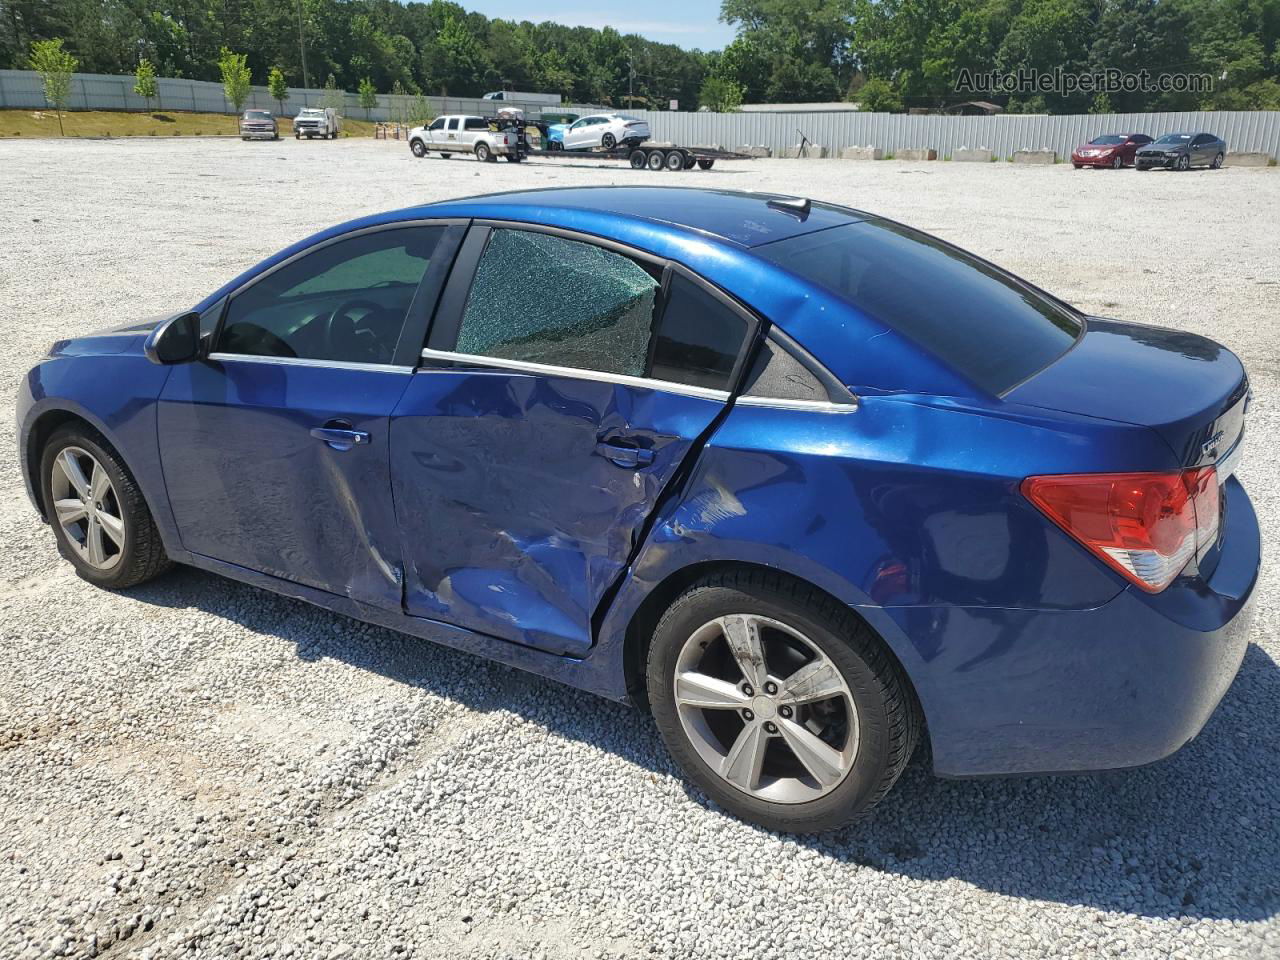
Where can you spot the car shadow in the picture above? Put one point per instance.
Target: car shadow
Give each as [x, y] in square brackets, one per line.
[1192, 836]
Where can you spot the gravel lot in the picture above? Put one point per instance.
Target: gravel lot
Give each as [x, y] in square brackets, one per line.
[198, 768]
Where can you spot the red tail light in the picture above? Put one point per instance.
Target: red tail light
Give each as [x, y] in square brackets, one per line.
[1147, 526]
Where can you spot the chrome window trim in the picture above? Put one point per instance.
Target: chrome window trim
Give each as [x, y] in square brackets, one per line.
[787, 403]
[309, 362]
[546, 369]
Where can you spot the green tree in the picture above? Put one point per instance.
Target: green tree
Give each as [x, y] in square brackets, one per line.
[720, 95]
[368, 97]
[333, 97]
[278, 88]
[878, 96]
[55, 67]
[235, 77]
[144, 82]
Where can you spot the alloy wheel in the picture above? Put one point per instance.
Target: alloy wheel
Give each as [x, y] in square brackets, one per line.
[766, 709]
[87, 508]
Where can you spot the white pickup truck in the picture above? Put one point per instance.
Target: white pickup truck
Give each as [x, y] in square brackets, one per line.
[458, 133]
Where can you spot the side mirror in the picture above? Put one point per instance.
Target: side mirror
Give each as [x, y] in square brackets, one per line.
[176, 340]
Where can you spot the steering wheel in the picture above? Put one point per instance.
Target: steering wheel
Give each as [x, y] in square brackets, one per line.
[345, 341]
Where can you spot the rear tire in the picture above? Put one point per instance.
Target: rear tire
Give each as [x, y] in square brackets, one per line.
[865, 716]
[104, 488]
[655, 160]
[1217, 163]
[706, 163]
[608, 141]
[484, 154]
[674, 161]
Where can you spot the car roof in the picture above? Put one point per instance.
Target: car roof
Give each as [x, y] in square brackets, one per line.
[739, 218]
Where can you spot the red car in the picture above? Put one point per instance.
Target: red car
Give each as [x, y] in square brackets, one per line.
[1113, 150]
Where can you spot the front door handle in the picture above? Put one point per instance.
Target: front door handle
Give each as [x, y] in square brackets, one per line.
[339, 435]
[623, 455]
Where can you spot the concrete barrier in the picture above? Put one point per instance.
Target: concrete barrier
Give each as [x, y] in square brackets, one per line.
[1244, 158]
[973, 155]
[751, 151]
[862, 153]
[811, 152]
[916, 153]
[1045, 156]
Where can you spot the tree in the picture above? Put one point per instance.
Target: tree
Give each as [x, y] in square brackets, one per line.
[368, 96]
[144, 82]
[55, 67]
[278, 87]
[235, 77]
[878, 96]
[333, 97]
[720, 95]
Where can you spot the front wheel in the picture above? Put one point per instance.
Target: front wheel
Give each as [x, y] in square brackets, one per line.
[779, 703]
[1184, 162]
[1117, 163]
[418, 148]
[100, 520]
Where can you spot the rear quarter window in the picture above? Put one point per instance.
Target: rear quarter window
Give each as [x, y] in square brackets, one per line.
[985, 325]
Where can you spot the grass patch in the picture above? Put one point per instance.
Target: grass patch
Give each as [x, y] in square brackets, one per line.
[113, 123]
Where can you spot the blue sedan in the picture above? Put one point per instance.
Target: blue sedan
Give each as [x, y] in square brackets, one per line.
[811, 486]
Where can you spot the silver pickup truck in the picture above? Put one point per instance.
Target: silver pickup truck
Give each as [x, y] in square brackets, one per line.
[458, 133]
[316, 122]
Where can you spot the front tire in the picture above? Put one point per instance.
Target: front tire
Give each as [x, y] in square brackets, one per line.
[100, 520]
[780, 704]
[418, 149]
[1183, 163]
[1117, 163]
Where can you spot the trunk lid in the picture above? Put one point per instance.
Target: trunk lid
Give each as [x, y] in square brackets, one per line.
[1189, 389]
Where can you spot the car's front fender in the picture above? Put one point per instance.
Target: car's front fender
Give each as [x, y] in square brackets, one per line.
[116, 395]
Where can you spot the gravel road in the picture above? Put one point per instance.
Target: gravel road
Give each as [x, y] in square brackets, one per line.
[201, 769]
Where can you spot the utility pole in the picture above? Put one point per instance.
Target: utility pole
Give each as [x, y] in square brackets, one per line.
[302, 48]
[631, 81]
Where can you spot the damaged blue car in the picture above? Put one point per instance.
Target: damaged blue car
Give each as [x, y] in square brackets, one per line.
[813, 487]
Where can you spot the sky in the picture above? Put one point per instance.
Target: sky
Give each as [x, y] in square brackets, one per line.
[687, 23]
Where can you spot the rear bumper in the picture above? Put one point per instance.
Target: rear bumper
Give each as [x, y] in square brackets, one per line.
[1122, 685]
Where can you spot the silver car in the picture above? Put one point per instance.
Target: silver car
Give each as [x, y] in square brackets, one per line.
[606, 130]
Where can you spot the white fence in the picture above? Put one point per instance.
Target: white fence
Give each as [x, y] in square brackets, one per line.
[96, 91]
[1243, 130]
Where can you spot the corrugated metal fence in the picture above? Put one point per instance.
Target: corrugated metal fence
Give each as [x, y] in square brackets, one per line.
[1243, 130]
[96, 91]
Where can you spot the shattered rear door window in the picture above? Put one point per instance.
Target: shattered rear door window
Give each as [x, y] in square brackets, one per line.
[544, 299]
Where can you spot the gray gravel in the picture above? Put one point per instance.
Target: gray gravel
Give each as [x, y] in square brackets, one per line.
[201, 769]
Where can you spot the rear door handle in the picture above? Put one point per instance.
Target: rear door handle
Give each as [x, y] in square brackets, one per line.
[339, 435]
[624, 455]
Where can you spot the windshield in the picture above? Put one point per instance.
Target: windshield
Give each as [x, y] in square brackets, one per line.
[982, 323]
[1175, 138]
[311, 113]
[1107, 141]
[257, 115]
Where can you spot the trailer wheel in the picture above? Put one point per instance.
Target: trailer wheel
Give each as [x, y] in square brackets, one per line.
[706, 163]
[637, 159]
[655, 160]
[674, 160]
[690, 161]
